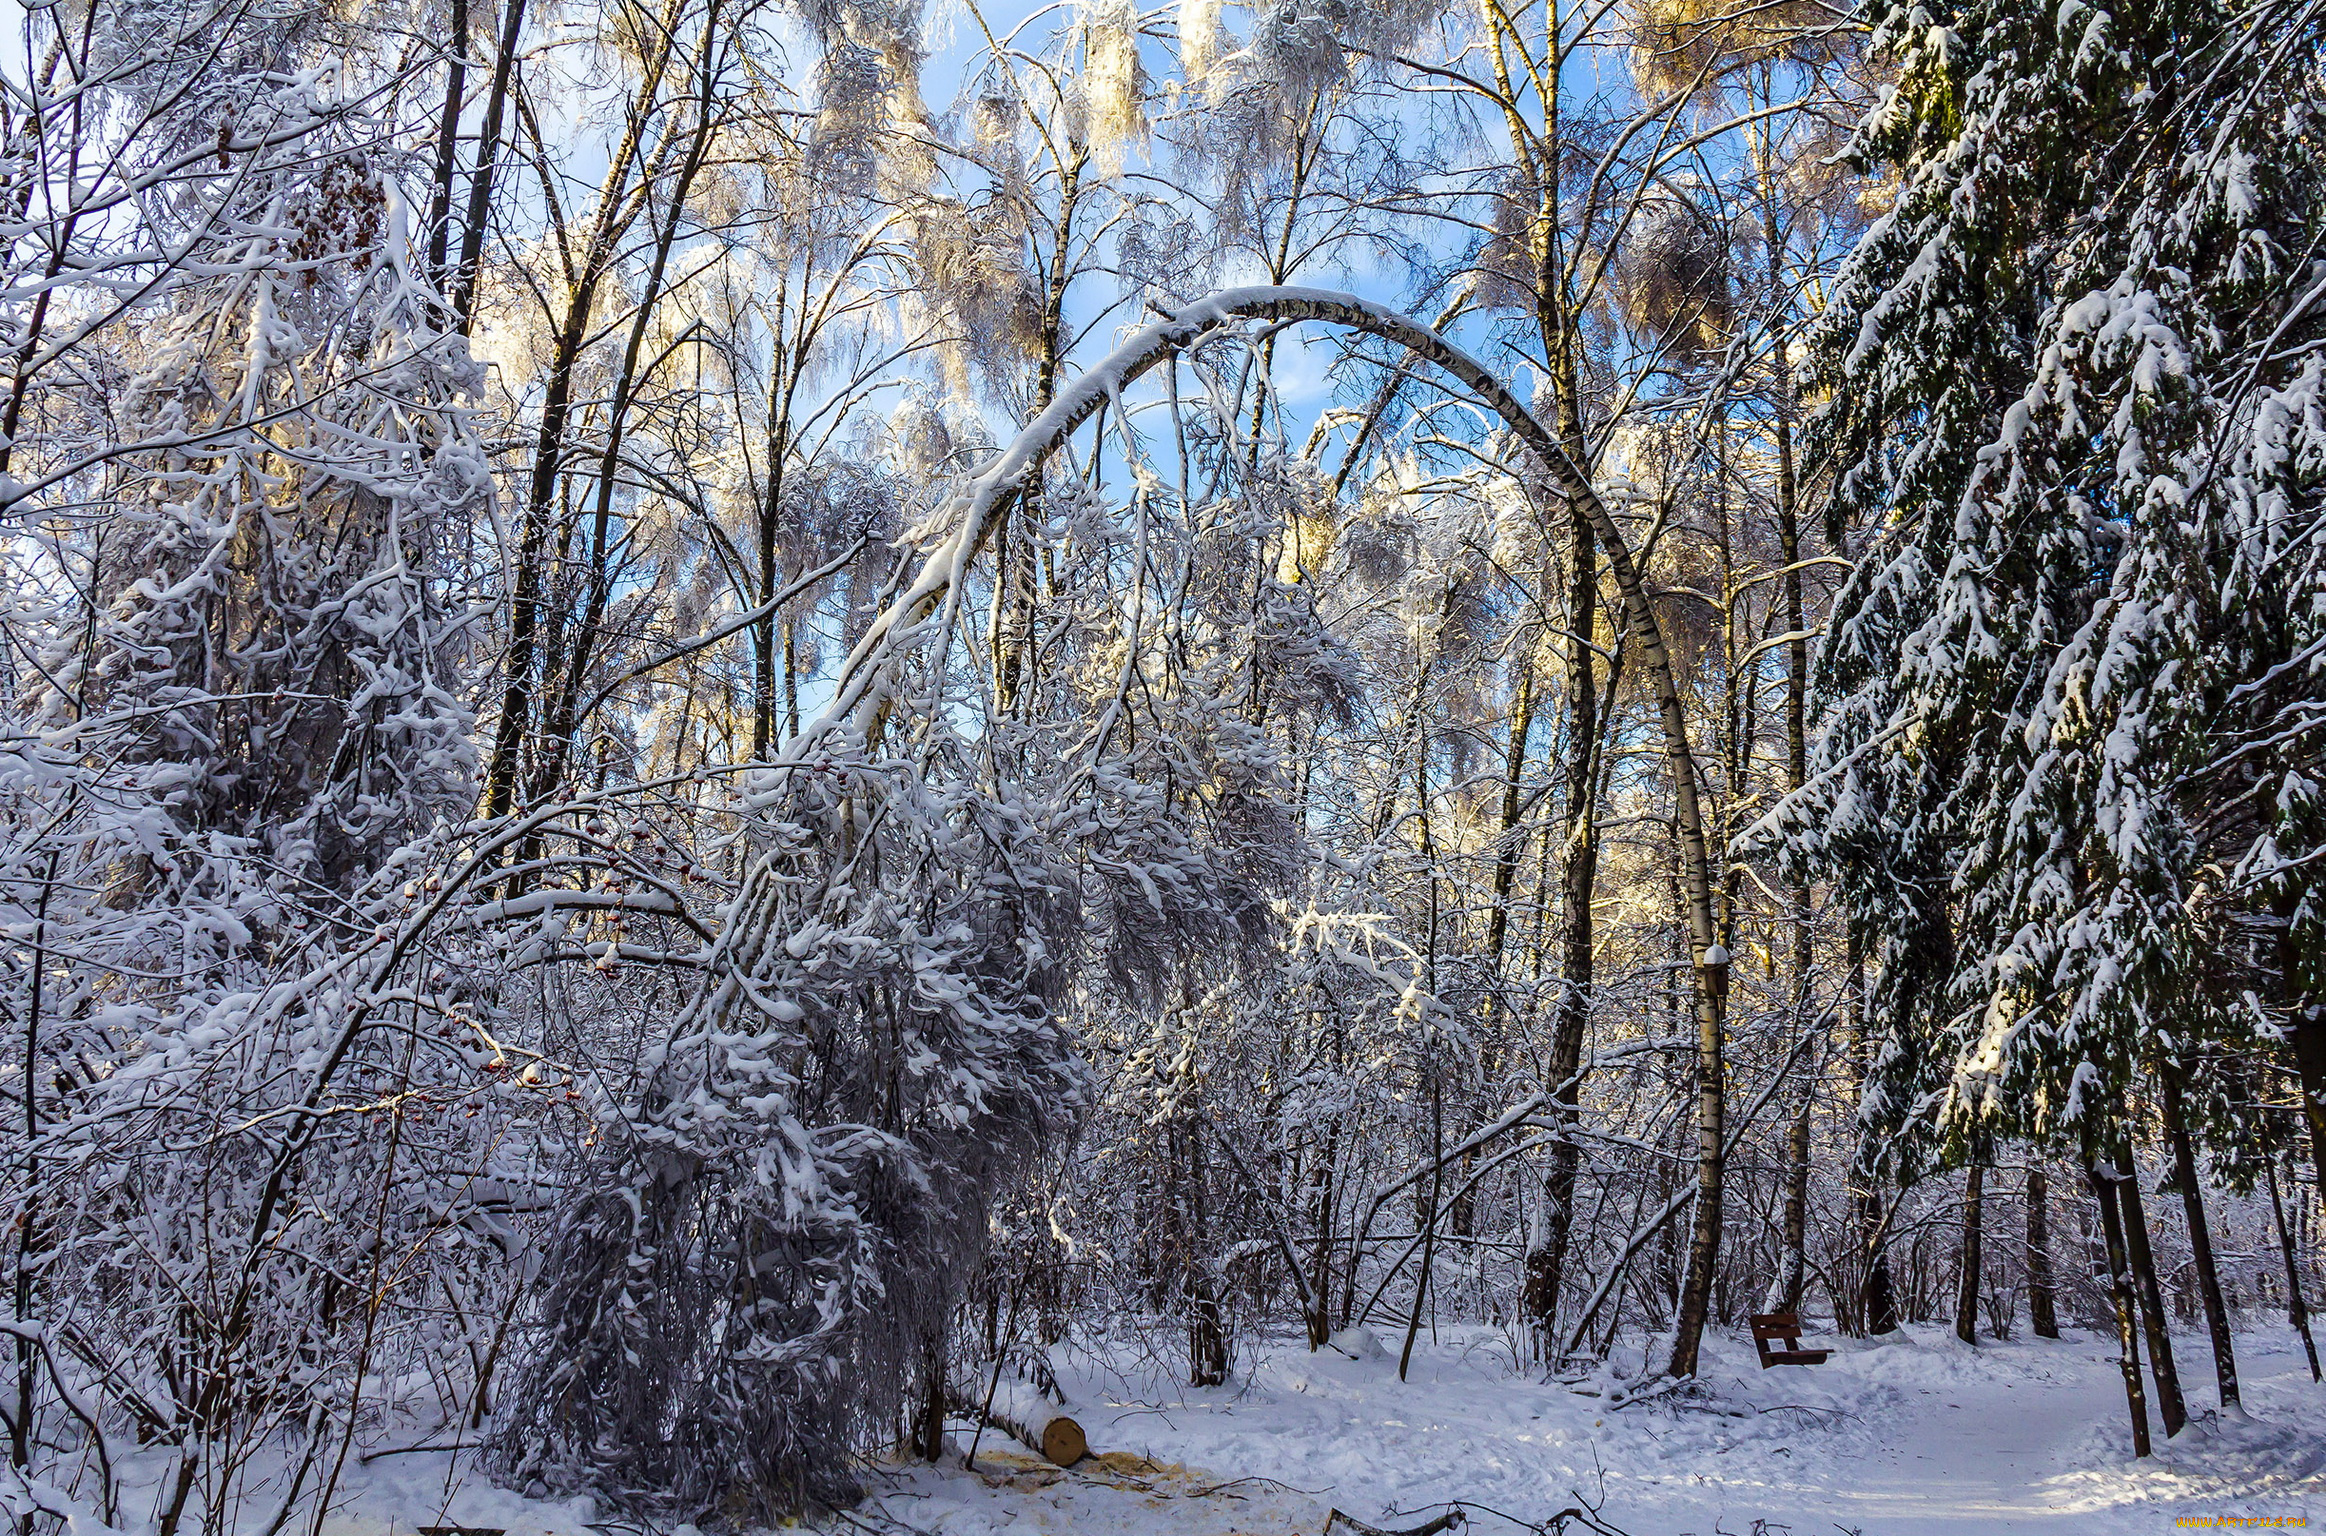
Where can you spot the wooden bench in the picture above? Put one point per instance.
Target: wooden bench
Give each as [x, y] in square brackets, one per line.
[1784, 1326]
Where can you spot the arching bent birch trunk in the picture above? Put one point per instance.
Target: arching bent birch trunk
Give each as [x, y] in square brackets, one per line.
[863, 686]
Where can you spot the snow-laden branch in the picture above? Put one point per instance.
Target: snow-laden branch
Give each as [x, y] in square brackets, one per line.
[863, 685]
[968, 513]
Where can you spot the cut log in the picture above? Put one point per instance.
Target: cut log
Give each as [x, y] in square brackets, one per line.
[1021, 1409]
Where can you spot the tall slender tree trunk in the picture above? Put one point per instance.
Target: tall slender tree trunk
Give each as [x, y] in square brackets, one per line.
[2170, 1405]
[769, 556]
[1711, 1155]
[1316, 1311]
[1207, 1335]
[1877, 1294]
[1793, 1264]
[2296, 973]
[511, 731]
[2200, 1232]
[1555, 322]
[1015, 579]
[929, 1432]
[1571, 1017]
[31, 1223]
[2297, 1313]
[2310, 1064]
[1877, 1291]
[439, 228]
[2120, 1293]
[2042, 1313]
[1792, 1261]
[1710, 958]
[615, 209]
[565, 720]
[1966, 1304]
[1507, 850]
[791, 678]
[1508, 844]
[462, 291]
[1429, 1215]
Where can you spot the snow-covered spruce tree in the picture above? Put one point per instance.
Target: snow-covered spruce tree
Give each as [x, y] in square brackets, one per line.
[1925, 341]
[2068, 774]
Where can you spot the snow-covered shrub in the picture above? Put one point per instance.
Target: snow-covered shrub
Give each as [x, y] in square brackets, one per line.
[783, 1200]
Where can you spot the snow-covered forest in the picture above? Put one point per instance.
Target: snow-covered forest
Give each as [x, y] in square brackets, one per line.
[745, 737]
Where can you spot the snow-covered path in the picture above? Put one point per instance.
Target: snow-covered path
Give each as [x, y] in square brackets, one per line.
[1916, 1435]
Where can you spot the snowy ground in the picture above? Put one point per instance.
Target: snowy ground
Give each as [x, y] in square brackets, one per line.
[1910, 1436]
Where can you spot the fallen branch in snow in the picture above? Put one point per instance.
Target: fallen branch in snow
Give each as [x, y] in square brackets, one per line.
[368, 1457]
[1825, 1418]
[1458, 1514]
[1250, 1478]
[1655, 1388]
[1451, 1519]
